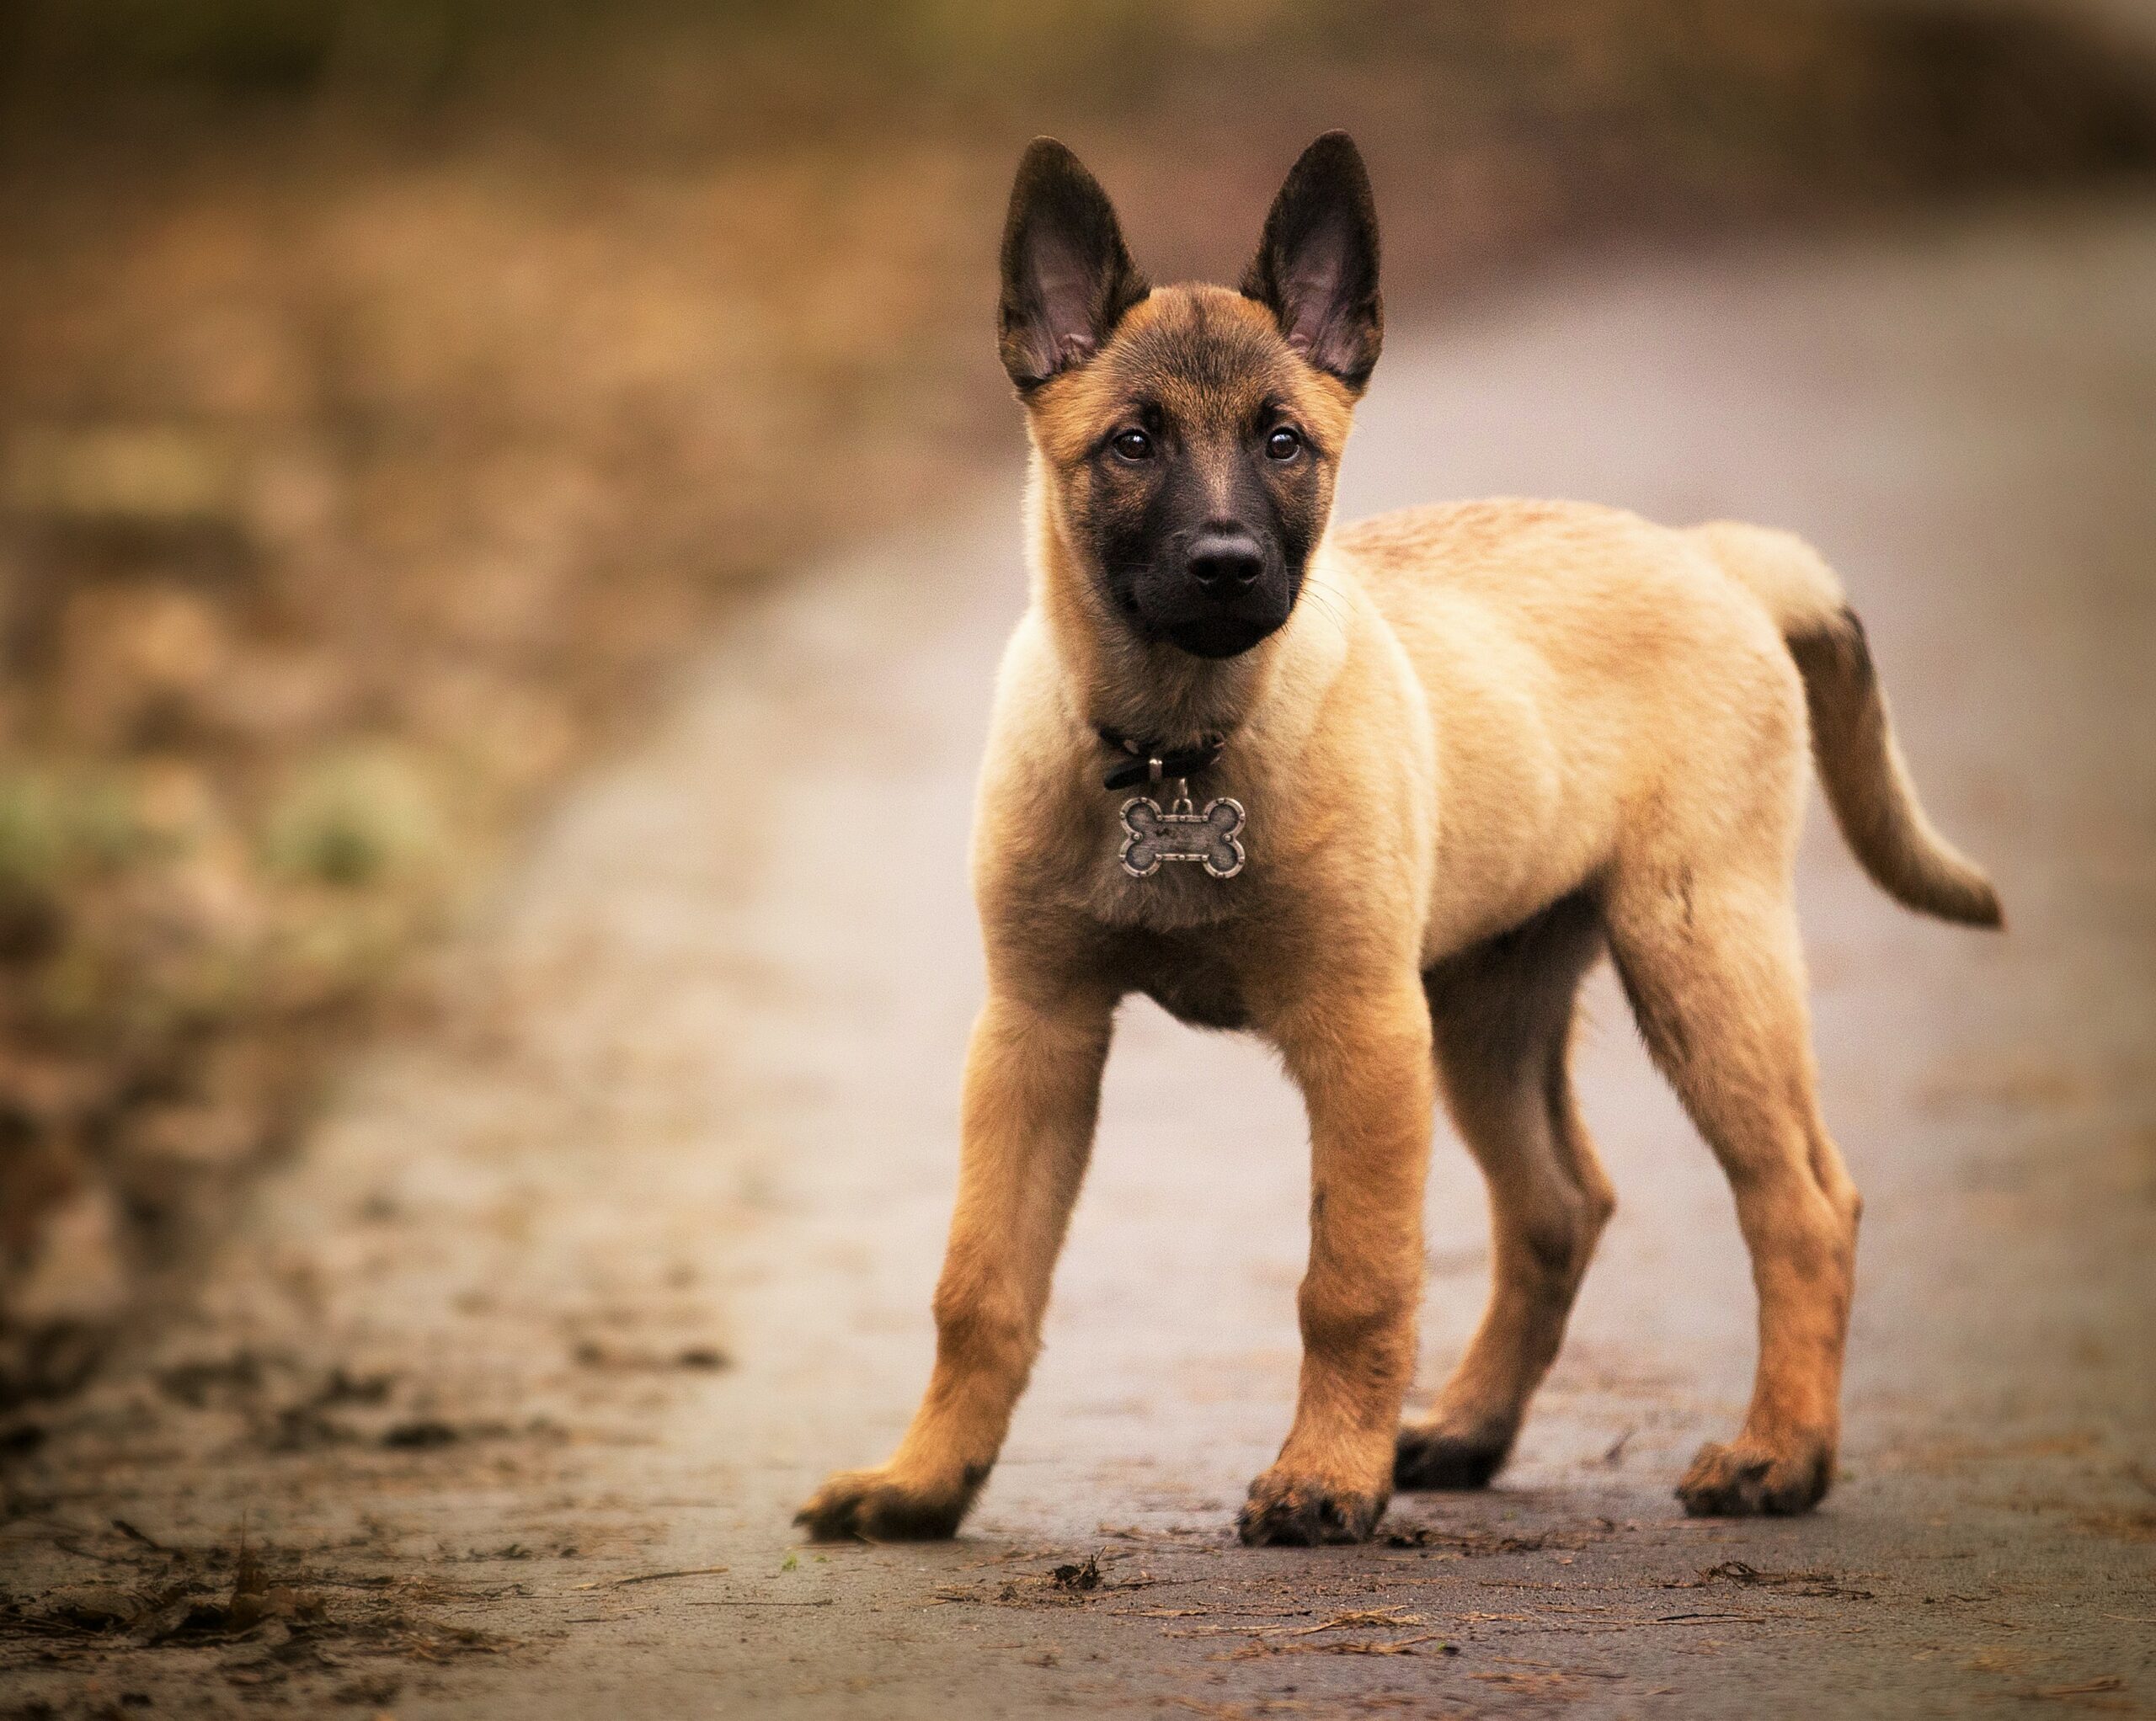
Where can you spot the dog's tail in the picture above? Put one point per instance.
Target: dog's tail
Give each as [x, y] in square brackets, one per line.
[1866, 781]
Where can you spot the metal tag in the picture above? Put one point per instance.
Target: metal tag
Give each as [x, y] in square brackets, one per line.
[1208, 838]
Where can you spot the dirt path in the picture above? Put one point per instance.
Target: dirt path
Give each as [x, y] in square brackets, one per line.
[587, 1279]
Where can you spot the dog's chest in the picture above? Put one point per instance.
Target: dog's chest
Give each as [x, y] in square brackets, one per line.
[1193, 975]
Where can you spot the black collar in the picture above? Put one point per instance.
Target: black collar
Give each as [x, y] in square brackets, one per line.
[1148, 761]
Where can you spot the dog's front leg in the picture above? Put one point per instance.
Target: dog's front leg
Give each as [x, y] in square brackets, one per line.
[1031, 1095]
[1363, 1058]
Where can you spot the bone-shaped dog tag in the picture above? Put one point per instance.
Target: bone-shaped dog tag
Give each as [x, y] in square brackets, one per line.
[1208, 838]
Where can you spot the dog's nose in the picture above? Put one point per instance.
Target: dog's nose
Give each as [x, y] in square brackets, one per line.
[1226, 562]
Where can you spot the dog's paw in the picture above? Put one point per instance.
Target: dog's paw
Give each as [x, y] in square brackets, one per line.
[1425, 1458]
[1746, 1480]
[1301, 1512]
[873, 1505]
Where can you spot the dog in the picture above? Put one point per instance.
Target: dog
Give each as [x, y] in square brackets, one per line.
[1452, 757]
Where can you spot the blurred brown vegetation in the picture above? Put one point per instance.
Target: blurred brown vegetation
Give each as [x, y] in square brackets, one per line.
[389, 393]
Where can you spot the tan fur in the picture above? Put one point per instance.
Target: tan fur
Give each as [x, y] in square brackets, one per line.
[1560, 730]
[1866, 779]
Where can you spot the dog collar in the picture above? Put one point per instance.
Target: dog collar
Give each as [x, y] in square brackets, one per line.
[1181, 831]
[1150, 761]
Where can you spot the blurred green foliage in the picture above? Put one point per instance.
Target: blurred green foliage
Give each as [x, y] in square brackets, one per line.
[351, 820]
[57, 822]
[134, 901]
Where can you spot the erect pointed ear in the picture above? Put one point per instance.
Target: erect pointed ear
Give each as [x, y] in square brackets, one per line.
[1317, 267]
[1067, 279]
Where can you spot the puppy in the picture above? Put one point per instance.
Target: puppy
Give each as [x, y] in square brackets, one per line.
[1450, 757]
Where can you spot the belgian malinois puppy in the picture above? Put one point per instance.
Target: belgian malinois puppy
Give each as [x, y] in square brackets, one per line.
[1450, 757]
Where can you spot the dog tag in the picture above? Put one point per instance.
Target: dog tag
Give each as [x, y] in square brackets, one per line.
[1151, 836]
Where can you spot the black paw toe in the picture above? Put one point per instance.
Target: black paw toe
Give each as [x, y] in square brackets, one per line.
[1422, 1459]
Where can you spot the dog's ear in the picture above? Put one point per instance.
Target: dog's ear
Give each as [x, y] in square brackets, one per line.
[1317, 267]
[1067, 279]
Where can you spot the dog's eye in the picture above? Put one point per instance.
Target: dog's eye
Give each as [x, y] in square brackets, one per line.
[1284, 444]
[1132, 445]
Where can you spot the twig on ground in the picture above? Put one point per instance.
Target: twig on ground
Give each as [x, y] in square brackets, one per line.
[133, 1534]
[691, 1571]
[2086, 1688]
[1346, 1646]
[756, 1601]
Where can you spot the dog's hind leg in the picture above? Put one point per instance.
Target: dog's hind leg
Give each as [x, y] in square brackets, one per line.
[1713, 969]
[1502, 1016]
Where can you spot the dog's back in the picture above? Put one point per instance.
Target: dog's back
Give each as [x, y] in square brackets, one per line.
[1581, 662]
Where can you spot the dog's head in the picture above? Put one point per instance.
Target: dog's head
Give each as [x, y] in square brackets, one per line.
[1191, 435]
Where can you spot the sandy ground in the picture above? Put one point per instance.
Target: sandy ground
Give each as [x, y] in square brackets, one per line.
[500, 1403]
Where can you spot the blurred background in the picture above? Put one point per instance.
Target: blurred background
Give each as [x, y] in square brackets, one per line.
[392, 394]
[495, 497]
